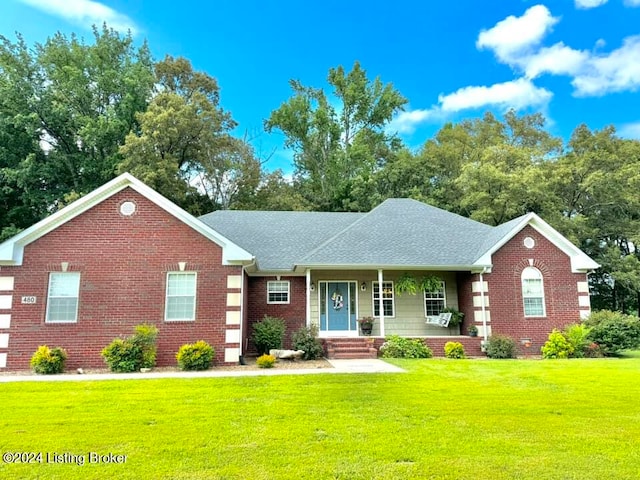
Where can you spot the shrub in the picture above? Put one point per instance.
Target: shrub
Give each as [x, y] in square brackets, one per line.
[398, 347]
[307, 339]
[501, 346]
[47, 361]
[195, 356]
[454, 350]
[578, 337]
[132, 353]
[145, 337]
[266, 361]
[122, 356]
[557, 346]
[613, 331]
[268, 334]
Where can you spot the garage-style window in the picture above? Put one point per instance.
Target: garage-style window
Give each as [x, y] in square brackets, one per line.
[278, 292]
[533, 293]
[62, 298]
[181, 296]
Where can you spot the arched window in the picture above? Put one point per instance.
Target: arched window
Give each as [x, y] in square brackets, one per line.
[533, 292]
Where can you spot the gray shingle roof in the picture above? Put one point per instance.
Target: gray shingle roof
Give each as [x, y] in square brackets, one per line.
[278, 239]
[399, 232]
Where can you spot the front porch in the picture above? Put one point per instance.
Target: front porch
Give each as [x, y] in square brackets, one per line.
[337, 299]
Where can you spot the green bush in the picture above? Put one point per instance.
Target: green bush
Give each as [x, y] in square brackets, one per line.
[456, 316]
[266, 361]
[122, 356]
[501, 346]
[578, 337]
[145, 337]
[557, 346]
[47, 361]
[454, 350]
[195, 356]
[132, 353]
[398, 347]
[268, 334]
[613, 331]
[306, 339]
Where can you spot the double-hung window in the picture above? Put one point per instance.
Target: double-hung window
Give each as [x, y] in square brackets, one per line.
[62, 297]
[181, 296]
[278, 292]
[388, 300]
[435, 302]
[533, 292]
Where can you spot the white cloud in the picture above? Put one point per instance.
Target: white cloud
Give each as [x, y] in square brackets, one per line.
[514, 36]
[632, 3]
[556, 60]
[630, 130]
[518, 94]
[590, 3]
[407, 121]
[85, 13]
[618, 71]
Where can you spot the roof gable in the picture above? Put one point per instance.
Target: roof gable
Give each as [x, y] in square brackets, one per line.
[12, 250]
[580, 261]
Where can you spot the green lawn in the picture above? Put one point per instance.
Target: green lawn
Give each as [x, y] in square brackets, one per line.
[445, 419]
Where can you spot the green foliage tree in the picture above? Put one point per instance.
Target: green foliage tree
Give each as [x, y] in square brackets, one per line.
[336, 144]
[65, 108]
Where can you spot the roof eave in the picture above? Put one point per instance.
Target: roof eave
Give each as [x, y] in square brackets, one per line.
[12, 250]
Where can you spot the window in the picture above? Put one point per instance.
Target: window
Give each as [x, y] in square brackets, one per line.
[388, 303]
[278, 292]
[435, 302]
[181, 296]
[532, 292]
[62, 299]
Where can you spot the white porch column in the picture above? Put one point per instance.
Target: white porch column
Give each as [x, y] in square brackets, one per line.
[308, 297]
[381, 301]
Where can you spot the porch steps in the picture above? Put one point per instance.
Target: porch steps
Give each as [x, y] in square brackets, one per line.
[354, 348]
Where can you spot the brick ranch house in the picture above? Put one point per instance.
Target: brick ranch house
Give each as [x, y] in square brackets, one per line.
[124, 255]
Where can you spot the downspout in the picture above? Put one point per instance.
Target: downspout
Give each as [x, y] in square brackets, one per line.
[308, 306]
[484, 311]
[242, 319]
[381, 301]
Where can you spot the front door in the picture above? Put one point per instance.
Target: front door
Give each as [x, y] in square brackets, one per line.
[338, 308]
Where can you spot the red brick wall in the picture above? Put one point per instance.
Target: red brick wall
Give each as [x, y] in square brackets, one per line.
[465, 298]
[505, 291]
[294, 313]
[123, 263]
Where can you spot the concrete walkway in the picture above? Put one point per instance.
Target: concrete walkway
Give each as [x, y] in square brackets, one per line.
[339, 366]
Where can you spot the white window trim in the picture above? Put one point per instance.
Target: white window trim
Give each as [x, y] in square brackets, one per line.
[424, 299]
[49, 297]
[376, 301]
[542, 296]
[166, 298]
[279, 302]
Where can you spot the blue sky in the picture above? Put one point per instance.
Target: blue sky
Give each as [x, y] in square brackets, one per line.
[576, 61]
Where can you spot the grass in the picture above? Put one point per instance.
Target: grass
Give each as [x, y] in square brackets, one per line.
[445, 419]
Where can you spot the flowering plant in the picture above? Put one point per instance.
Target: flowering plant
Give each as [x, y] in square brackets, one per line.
[366, 321]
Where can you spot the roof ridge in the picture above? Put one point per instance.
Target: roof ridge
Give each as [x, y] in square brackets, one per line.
[341, 232]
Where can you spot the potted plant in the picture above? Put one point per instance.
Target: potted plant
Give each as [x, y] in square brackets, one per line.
[366, 325]
[472, 330]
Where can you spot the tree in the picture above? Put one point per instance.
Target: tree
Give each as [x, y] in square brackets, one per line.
[597, 183]
[335, 145]
[65, 108]
[184, 149]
